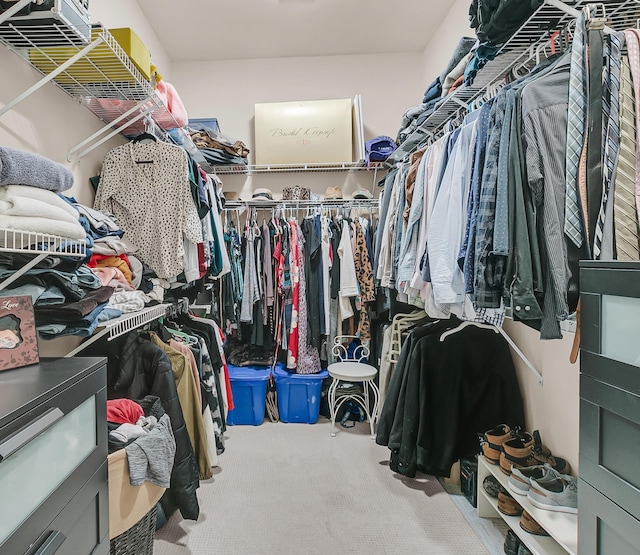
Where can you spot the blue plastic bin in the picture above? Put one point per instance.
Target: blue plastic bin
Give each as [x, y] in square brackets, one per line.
[249, 389]
[298, 395]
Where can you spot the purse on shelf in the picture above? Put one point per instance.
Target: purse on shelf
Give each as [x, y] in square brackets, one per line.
[296, 193]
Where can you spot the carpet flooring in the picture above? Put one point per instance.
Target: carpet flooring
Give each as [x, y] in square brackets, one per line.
[292, 489]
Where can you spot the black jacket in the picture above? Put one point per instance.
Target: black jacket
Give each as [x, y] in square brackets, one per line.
[136, 368]
[442, 394]
[495, 21]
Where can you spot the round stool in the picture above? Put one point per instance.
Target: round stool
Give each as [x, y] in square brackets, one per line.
[351, 371]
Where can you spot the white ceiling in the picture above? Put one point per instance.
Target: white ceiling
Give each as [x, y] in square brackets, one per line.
[227, 29]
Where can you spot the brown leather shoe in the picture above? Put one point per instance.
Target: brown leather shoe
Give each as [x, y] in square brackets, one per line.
[529, 525]
[492, 443]
[508, 505]
[527, 450]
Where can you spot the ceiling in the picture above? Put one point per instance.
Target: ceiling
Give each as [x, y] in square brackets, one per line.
[227, 29]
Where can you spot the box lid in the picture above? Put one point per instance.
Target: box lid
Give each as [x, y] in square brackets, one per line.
[249, 373]
[280, 372]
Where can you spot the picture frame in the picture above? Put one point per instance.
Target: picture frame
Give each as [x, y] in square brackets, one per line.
[18, 341]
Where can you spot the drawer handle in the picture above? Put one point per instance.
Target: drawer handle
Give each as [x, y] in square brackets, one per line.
[28, 432]
[52, 543]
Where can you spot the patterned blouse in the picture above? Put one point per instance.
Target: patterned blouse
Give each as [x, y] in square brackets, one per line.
[146, 186]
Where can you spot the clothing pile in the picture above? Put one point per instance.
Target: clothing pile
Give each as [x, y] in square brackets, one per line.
[181, 364]
[218, 149]
[295, 286]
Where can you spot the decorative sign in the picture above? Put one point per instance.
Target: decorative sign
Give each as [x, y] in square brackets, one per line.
[18, 344]
[315, 131]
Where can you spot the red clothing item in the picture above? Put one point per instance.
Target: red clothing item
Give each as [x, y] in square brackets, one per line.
[122, 411]
[202, 267]
[225, 372]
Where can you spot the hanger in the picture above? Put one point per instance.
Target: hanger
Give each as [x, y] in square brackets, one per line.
[464, 325]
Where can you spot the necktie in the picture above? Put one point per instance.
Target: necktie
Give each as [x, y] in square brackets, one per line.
[611, 131]
[625, 213]
[573, 225]
[633, 49]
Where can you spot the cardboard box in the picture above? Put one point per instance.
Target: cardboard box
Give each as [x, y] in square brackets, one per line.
[18, 343]
[317, 131]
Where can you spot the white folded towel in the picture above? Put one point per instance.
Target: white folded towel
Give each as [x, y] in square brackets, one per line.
[22, 206]
[9, 192]
[43, 225]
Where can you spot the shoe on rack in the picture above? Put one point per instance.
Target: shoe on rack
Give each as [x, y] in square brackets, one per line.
[524, 550]
[492, 486]
[520, 480]
[507, 505]
[528, 524]
[555, 494]
[492, 441]
[527, 450]
[511, 543]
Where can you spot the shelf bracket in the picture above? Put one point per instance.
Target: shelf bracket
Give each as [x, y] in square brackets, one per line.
[20, 271]
[115, 131]
[517, 350]
[101, 131]
[51, 76]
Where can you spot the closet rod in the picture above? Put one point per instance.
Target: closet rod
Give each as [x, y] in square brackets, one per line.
[349, 203]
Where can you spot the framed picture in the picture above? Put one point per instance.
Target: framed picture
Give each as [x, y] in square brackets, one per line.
[18, 343]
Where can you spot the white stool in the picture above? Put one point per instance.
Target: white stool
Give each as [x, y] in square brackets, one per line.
[351, 370]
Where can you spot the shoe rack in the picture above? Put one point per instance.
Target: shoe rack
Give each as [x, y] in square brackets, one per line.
[562, 527]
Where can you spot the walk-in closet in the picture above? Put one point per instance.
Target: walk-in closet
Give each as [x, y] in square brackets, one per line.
[316, 277]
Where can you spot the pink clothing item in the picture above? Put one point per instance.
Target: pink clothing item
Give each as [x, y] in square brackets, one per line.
[113, 277]
[173, 102]
[122, 411]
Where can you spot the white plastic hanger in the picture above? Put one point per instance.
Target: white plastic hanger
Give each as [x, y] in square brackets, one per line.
[464, 325]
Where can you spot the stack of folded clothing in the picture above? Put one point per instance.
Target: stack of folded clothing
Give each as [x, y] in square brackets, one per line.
[217, 149]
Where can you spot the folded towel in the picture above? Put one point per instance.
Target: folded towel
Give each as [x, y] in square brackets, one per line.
[10, 193]
[18, 167]
[43, 225]
[21, 206]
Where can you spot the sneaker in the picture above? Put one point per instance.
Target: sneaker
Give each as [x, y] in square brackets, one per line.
[511, 543]
[555, 494]
[492, 442]
[492, 486]
[520, 480]
[528, 524]
[507, 505]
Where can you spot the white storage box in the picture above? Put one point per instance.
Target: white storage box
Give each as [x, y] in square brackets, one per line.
[317, 131]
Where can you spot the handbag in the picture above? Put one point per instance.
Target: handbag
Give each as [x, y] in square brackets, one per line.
[296, 193]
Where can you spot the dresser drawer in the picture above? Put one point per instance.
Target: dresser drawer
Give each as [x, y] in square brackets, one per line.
[610, 442]
[603, 527]
[48, 454]
[82, 528]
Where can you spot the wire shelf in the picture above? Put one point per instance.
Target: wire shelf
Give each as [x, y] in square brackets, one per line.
[100, 76]
[297, 168]
[553, 15]
[25, 242]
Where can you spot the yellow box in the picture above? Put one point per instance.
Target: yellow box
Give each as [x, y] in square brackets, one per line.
[316, 131]
[101, 64]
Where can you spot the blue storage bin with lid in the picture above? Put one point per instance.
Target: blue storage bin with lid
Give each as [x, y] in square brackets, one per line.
[249, 389]
[298, 395]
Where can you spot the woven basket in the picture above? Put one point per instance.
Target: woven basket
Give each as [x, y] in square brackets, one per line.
[137, 540]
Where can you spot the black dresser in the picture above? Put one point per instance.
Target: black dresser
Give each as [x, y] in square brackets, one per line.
[609, 487]
[53, 458]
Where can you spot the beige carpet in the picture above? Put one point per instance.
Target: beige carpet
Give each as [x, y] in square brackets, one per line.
[292, 489]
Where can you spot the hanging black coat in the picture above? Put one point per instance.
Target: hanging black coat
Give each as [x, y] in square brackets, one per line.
[443, 393]
[136, 368]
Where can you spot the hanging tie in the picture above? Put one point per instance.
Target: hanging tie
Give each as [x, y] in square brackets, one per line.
[611, 131]
[625, 213]
[573, 224]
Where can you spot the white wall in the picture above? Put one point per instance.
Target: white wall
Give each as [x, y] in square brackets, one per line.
[441, 45]
[228, 90]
